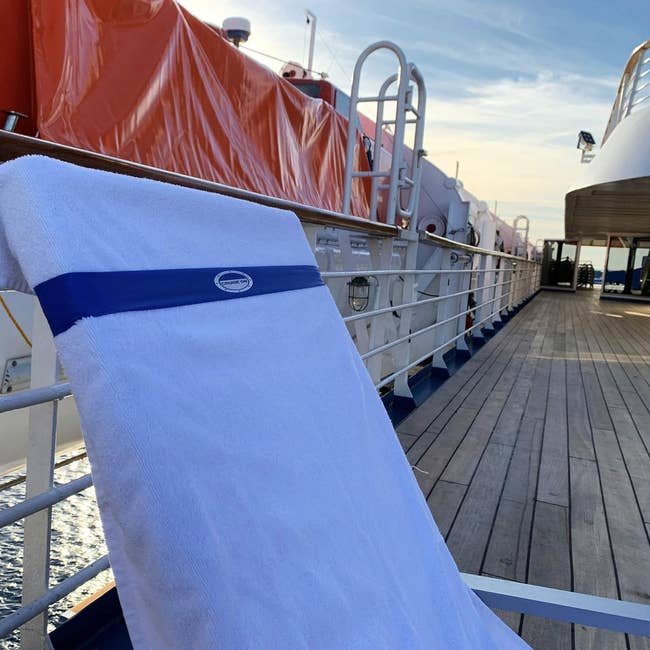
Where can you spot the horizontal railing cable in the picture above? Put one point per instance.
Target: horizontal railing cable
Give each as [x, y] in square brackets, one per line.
[428, 328]
[420, 303]
[393, 376]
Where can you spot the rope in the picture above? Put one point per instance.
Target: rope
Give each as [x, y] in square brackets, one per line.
[276, 58]
[21, 331]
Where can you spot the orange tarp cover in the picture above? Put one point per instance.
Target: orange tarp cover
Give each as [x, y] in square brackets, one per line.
[146, 81]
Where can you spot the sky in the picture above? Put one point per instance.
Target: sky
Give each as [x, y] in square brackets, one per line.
[509, 83]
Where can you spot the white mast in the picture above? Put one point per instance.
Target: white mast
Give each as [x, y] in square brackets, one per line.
[311, 20]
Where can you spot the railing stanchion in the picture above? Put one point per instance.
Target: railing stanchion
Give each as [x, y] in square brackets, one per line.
[443, 312]
[465, 284]
[40, 475]
[409, 294]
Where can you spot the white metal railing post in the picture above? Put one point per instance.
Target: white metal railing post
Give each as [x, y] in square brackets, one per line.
[464, 284]
[517, 285]
[443, 312]
[381, 254]
[511, 285]
[506, 287]
[401, 387]
[498, 292]
[485, 293]
[40, 473]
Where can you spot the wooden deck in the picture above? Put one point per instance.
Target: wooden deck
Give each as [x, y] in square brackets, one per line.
[534, 458]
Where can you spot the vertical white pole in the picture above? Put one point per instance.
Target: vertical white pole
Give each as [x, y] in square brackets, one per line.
[311, 20]
[409, 294]
[40, 471]
[381, 253]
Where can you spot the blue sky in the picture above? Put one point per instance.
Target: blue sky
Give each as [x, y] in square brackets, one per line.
[509, 84]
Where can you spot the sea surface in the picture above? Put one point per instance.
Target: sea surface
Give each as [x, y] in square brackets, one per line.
[77, 540]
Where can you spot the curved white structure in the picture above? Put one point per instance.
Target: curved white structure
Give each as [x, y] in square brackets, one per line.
[613, 195]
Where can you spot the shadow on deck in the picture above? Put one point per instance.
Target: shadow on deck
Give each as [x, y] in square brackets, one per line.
[534, 458]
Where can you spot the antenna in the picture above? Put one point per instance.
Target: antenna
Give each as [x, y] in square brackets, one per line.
[311, 20]
[237, 30]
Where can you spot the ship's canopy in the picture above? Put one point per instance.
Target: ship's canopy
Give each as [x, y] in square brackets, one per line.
[613, 193]
[146, 81]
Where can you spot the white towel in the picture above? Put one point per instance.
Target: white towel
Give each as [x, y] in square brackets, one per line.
[252, 490]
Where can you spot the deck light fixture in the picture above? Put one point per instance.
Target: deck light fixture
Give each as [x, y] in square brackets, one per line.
[358, 293]
[586, 143]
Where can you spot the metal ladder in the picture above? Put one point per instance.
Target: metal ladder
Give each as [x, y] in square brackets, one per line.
[397, 178]
[522, 232]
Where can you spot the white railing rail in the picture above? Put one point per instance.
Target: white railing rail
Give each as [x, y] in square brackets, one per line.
[633, 90]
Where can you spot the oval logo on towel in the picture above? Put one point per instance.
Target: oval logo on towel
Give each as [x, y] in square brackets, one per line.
[233, 281]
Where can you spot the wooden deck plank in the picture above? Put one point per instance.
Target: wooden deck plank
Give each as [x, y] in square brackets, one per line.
[464, 462]
[507, 551]
[469, 534]
[593, 567]
[444, 501]
[549, 566]
[579, 430]
[434, 461]
[629, 540]
[635, 456]
[553, 483]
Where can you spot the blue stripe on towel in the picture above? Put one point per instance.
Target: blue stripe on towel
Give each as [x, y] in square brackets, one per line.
[67, 298]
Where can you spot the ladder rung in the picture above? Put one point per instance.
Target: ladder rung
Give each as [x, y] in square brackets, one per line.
[378, 174]
[387, 98]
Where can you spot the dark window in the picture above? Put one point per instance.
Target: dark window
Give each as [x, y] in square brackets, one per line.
[342, 103]
[311, 90]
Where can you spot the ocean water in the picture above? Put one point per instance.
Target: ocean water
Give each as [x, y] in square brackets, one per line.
[77, 540]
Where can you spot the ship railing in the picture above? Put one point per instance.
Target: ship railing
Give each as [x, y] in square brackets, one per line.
[560, 605]
[634, 88]
[489, 286]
